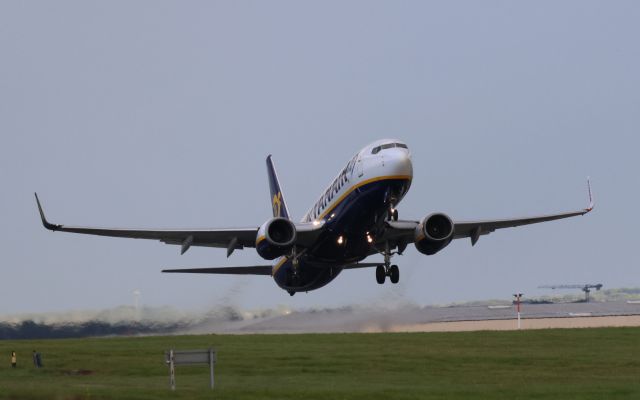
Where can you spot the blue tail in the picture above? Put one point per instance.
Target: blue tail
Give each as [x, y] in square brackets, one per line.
[277, 199]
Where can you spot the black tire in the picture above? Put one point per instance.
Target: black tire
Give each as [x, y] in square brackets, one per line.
[380, 274]
[394, 274]
[394, 214]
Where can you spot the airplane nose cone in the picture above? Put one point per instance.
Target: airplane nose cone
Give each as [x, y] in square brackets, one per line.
[399, 163]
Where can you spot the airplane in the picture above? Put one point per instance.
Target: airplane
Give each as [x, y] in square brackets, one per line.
[355, 217]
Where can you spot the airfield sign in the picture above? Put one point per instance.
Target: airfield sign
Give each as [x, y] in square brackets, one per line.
[189, 357]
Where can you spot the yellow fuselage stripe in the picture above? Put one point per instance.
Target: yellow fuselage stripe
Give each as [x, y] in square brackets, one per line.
[368, 181]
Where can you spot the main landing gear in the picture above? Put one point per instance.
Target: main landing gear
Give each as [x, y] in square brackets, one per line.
[294, 277]
[392, 271]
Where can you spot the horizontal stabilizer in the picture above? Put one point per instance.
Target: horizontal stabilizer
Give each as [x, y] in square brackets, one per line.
[248, 270]
[362, 265]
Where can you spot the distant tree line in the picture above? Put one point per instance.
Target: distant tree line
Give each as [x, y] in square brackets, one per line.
[34, 330]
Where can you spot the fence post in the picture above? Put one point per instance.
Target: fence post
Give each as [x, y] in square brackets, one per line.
[211, 360]
[172, 371]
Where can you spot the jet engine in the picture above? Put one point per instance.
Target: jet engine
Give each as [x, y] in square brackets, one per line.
[275, 238]
[433, 234]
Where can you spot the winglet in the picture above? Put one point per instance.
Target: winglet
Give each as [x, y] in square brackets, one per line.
[47, 224]
[591, 202]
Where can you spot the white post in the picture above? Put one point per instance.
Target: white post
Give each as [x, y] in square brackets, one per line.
[172, 371]
[211, 365]
[518, 296]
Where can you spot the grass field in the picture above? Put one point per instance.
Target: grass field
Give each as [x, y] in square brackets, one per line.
[543, 364]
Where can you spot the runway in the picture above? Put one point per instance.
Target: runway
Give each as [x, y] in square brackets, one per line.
[382, 317]
[452, 318]
[511, 324]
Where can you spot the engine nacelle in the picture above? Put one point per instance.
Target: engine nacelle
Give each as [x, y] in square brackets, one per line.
[433, 234]
[275, 238]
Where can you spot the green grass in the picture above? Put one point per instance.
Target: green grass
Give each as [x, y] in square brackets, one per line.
[542, 364]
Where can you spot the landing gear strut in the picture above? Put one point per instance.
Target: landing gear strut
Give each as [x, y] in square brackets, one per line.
[295, 263]
[295, 277]
[393, 214]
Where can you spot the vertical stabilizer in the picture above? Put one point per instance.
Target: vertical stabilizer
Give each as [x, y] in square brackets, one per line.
[277, 199]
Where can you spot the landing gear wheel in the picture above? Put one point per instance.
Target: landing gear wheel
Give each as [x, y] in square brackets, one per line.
[380, 274]
[394, 215]
[394, 274]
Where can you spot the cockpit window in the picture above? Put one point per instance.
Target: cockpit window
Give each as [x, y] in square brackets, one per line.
[377, 149]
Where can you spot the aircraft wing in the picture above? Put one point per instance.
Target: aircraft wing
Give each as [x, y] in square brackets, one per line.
[362, 265]
[403, 231]
[248, 270]
[231, 239]
[474, 229]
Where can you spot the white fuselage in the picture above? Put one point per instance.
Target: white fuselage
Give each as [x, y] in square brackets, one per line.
[366, 166]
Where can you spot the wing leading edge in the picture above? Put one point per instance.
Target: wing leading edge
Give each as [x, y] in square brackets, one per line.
[231, 239]
[404, 230]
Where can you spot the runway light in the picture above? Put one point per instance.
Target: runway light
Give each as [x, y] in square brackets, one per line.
[340, 240]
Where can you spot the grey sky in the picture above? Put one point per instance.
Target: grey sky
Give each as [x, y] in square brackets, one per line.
[160, 114]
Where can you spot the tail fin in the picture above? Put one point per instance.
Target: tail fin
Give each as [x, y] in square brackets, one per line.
[277, 199]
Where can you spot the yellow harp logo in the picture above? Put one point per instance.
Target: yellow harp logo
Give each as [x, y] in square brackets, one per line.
[277, 204]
